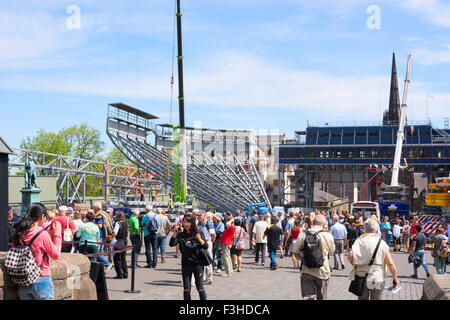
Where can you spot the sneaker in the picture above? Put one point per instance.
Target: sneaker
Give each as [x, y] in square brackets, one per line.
[274, 268]
[413, 276]
[209, 282]
[108, 268]
[149, 266]
[262, 264]
[281, 257]
[226, 275]
[117, 277]
[163, 260]
[218, 271]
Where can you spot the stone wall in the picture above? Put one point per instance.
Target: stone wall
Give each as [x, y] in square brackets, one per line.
[437, 287]
[70, 275]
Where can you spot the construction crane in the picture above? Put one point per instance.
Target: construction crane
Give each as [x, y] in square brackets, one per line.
[393, 197]
[401, 128]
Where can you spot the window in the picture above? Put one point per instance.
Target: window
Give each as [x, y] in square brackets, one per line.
[323, 135]
[336, 135]
[348, 134]
[374, 153]
[362, 153]
[361, 134]
[373, 134]
[424, 133]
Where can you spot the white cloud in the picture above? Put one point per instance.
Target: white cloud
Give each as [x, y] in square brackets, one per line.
[436, 11]
[239, 80]
[429, 57]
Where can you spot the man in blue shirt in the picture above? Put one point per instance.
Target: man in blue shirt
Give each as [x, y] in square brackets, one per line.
[339, 233]
[206, 228]
[217, 251]
[150, 224]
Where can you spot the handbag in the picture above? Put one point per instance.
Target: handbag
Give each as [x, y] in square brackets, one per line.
[233, 247]
[68, 233]
[205, 257]
[357, 285]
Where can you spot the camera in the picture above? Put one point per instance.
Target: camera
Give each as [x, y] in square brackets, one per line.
[180, 229]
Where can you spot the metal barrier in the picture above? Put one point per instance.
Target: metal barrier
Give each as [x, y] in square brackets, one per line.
[122, 248]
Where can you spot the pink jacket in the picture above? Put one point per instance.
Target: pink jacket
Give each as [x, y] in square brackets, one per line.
[42, 244]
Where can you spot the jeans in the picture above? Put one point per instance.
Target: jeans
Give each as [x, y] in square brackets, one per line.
[89, 249]
[339, 254]
[440, 265]
[273, 257]
[102, 259]
[260, 247]
[420, 254]
[161, 244]
[151, 243]
[41, 290]
[187, 272]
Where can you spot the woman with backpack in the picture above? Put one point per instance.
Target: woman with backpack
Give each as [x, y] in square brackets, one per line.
[440, 251]
[28, 231]
[190, 242]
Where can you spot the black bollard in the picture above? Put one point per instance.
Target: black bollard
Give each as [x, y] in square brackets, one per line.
[133, 267]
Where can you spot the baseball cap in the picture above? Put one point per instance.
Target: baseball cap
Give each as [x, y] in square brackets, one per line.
[63, 208]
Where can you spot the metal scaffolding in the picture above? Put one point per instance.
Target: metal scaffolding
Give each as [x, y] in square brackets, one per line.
[72, 173]
[225, 182]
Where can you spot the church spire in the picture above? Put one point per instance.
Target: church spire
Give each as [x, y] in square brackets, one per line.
[392, 115]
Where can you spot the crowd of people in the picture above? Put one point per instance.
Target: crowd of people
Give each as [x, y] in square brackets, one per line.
[310, 239]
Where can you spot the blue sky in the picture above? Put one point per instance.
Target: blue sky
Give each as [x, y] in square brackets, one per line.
[253, 64]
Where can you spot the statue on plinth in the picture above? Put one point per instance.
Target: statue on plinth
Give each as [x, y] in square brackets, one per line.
[30, 173]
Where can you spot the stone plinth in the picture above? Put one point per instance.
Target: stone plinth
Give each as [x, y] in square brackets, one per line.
[70, 275]
[29, 196]
[437, 287]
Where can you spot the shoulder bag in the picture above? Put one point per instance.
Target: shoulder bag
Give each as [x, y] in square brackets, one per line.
[357, 285]
[233, 247]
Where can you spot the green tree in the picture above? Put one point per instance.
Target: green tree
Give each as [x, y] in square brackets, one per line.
[48, 142]
[85, 141]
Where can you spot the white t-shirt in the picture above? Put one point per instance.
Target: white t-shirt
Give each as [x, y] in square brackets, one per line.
[396, 230]
[259, 229]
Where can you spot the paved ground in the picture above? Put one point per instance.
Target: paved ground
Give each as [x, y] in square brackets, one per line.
[255, 282]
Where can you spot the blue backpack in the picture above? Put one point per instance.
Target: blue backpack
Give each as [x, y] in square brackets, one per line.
[152, 226]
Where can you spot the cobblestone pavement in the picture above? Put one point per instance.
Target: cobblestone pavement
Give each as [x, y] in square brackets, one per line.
[255, 282]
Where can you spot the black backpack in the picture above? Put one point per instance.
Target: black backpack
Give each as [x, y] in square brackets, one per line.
[312, 250]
